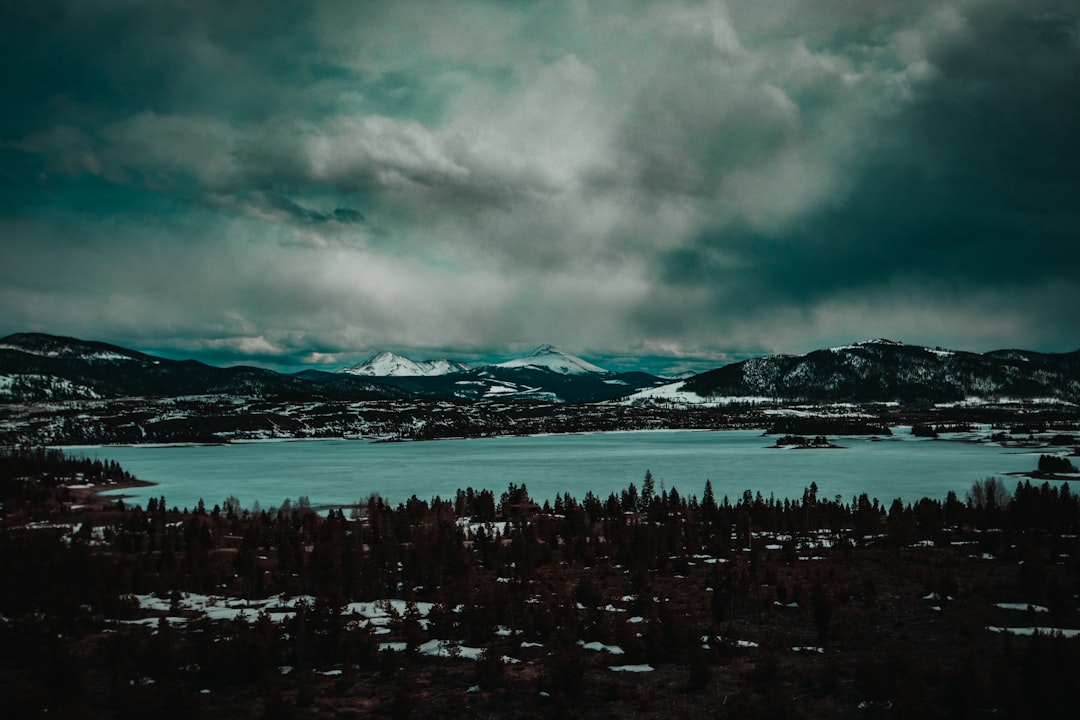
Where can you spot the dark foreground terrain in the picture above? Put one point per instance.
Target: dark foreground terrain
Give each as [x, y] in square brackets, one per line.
[643, 604]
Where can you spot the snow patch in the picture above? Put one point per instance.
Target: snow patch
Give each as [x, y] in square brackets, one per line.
[601, 647]
[674, 394]
[1023, 607]
[1027, 631]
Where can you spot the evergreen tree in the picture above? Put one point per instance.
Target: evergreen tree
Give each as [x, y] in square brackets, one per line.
[708, 501]
[648, 491]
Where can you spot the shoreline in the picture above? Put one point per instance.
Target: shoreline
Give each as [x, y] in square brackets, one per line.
[898, 433]
[94, 496]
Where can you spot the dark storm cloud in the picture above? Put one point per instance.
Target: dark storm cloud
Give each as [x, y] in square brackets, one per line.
[106, 58]
[665, 178]
[967, 191]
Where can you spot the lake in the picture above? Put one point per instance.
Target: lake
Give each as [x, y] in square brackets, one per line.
[332, 473]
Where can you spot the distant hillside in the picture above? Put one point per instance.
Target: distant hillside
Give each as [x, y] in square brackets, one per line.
[37, 367]
[887, 371]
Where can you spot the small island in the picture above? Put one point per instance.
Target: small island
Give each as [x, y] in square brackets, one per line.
[801, 442]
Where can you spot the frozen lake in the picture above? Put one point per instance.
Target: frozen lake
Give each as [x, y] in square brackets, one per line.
[340, 472]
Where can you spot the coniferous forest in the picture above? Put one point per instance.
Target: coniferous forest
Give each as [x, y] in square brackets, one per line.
[651, 602]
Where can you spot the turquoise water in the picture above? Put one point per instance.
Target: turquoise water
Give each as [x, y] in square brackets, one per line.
[339, 472]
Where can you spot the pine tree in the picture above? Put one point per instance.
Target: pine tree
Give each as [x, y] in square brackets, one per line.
[648, 491]
[708, 501]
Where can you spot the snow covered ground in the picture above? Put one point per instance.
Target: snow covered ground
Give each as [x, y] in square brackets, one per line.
[1027, 631]
[674, 394]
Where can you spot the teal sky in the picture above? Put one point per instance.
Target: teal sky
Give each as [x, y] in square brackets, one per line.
[297, 184]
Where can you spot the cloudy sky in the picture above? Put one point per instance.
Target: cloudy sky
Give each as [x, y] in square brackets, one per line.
[692, 182]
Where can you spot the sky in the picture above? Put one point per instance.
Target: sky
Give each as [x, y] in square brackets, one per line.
[682, 183]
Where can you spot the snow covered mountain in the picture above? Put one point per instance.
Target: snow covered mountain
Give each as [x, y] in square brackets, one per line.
[545, 357]
[883, 371]
[387, 364]
[550, 358]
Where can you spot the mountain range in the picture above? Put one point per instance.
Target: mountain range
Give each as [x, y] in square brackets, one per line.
[36, 367]
[545, 357]
[546, 374]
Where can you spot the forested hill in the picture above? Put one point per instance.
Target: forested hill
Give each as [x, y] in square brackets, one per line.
[886, 371]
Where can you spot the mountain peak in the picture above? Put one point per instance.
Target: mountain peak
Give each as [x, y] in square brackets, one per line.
[387, 364]
[548, 357]
[544, 350]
